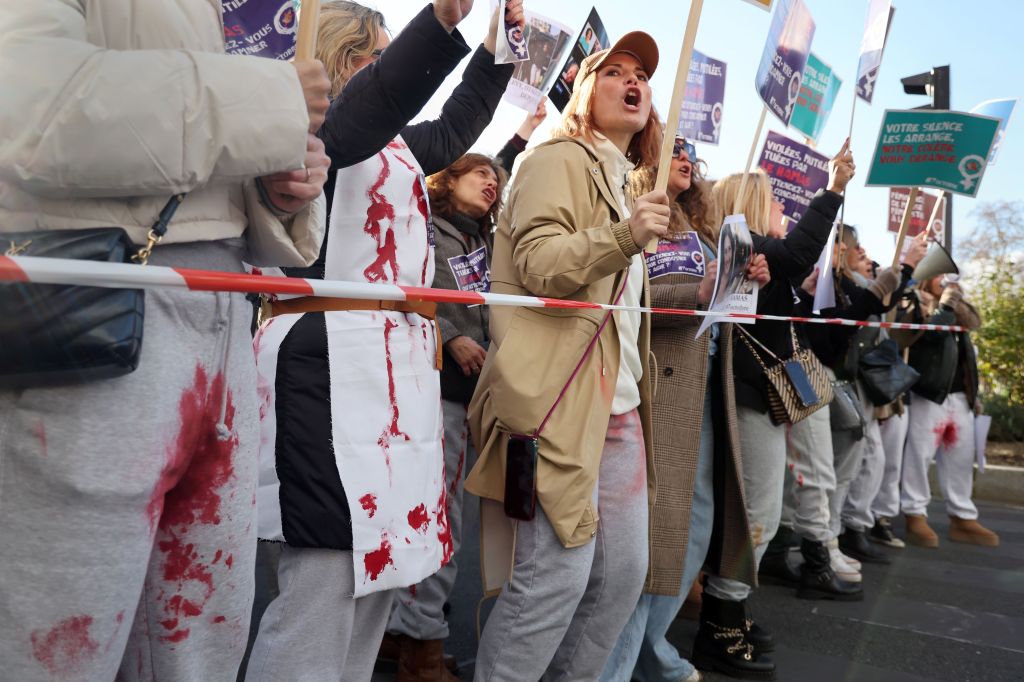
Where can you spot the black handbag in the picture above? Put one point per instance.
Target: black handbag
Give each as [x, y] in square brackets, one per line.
[55, 334]
[884, 375]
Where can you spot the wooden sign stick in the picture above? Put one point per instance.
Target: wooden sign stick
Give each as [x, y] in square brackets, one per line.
[678, 90]
[904, 224]
[309, 20]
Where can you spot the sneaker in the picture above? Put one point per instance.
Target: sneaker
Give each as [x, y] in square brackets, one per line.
[841, 568]
[850, 561]
[883, 535]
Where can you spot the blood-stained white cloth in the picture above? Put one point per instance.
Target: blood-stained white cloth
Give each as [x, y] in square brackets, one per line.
[385, 391]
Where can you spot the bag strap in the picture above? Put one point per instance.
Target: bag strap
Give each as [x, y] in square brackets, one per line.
[586, 354]
[745, 335]
[159, 229]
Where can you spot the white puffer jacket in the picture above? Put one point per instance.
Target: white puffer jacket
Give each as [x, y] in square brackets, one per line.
[109, 107]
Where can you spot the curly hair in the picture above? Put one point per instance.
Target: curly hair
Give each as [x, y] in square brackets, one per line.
[690, 210]
[441, 187]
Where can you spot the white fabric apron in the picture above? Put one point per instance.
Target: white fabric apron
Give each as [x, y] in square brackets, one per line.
[385, 390]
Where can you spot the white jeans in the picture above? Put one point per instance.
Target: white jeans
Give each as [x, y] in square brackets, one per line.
[894, 434]
[945, 431]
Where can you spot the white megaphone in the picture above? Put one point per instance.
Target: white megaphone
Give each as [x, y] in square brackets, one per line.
[936, 261]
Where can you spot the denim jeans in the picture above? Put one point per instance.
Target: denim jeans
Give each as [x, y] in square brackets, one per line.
[642, 652]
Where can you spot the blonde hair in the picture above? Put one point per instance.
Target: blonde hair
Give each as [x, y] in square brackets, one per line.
[756, 203]
[578, 121]
[347, 32]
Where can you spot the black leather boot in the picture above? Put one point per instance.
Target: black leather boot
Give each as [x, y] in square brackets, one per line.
[855, 543]
[818, 580]
[721, 644]
[775, 569]
[763, 641]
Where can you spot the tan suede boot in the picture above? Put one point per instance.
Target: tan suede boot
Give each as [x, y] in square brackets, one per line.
[920, 533]
[422, 660]
[970, 531]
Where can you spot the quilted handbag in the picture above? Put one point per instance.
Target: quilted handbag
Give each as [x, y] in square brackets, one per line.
[55, 334]
[784, 404]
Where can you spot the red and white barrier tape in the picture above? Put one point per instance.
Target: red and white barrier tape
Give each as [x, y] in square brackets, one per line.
[123, 275]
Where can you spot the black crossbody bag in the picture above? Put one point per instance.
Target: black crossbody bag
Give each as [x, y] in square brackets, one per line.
[57, 335]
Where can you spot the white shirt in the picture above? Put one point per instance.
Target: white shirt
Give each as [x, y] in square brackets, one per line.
[631, 369]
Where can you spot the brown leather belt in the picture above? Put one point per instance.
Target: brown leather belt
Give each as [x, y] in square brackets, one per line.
[320, 304]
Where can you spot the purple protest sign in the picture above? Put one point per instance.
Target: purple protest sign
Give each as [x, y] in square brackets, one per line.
[701, 117]
[796, 172]
[471, 272]
[785, 55]
[683, 256]
[264, 28]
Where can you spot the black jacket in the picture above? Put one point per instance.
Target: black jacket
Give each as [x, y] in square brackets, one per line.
[945, 360]
[406, 76]
[788, 259]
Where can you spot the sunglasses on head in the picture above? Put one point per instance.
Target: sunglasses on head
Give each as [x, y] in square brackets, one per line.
[683, 145]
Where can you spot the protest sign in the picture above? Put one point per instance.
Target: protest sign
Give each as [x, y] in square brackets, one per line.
[872, 45]
[592, 38]
[733, 293]
[700, 119]
[682, 256]
[825, 291]
[996, 108]
[766, 5]
[781, 71]
[546, 42]
[471, 271]
[511, 44]
[817, 95]
[796, 172]
[946, 150]
[263, 28]
[924, 206]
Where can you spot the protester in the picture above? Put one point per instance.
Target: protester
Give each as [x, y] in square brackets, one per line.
[725, 641]
[941, 417]
[127, 502]
[573, 379]
[694, 401]
[352, 471]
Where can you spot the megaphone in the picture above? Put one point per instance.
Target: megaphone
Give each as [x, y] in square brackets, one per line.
[936, 261]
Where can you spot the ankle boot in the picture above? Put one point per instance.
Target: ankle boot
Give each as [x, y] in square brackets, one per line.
[919, 532]
[763, 641]
[775, 569]
[969, 530]
[818, 580]
[422, 660]
[721, 644]
[855, 543]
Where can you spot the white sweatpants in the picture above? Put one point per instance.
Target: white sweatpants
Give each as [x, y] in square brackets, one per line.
[945, 431]
[894, 434]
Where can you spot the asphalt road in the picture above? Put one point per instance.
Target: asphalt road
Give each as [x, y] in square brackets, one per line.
[954, 613]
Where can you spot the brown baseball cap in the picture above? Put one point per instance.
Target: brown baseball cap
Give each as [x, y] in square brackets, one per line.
[636, 43]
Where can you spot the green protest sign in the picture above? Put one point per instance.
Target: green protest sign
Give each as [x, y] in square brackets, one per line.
[817, 95]
[946, 150]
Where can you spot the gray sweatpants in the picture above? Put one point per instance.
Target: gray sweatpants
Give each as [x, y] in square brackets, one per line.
[763, 453]
[857, 513]
[315, 630]
[848, 453]
[418, 610]
[812, 477]
[127, 504]
[564, 609]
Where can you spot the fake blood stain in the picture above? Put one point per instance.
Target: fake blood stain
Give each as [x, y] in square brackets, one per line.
[444, 529]
[391, 430]
[369, 504]
[419, 519]
[946, 434]
[381, 211]
[376, 561]
[424, 210]
[65, 647]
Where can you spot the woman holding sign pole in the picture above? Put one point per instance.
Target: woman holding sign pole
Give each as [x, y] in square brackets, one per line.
[561, 415]
[695, 433]
[725, 642]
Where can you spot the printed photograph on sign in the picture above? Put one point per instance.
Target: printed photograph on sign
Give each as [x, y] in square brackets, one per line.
[733, 292]
[700, 118]
[546, 42]
[796, 173]
[817, 96]
[682, 256]
[872, 46]
[781, 70]
[262, 28]
[946, 150]
[1001, 109]
[592, 38]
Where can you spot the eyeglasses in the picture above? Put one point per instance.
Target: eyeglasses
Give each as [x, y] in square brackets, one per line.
[377, 53]
[684, 145]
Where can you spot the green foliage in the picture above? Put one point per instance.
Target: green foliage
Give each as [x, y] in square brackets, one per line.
[1007, 419]
[999, 298]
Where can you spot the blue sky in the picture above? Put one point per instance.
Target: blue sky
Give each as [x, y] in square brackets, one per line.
[980, 40]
